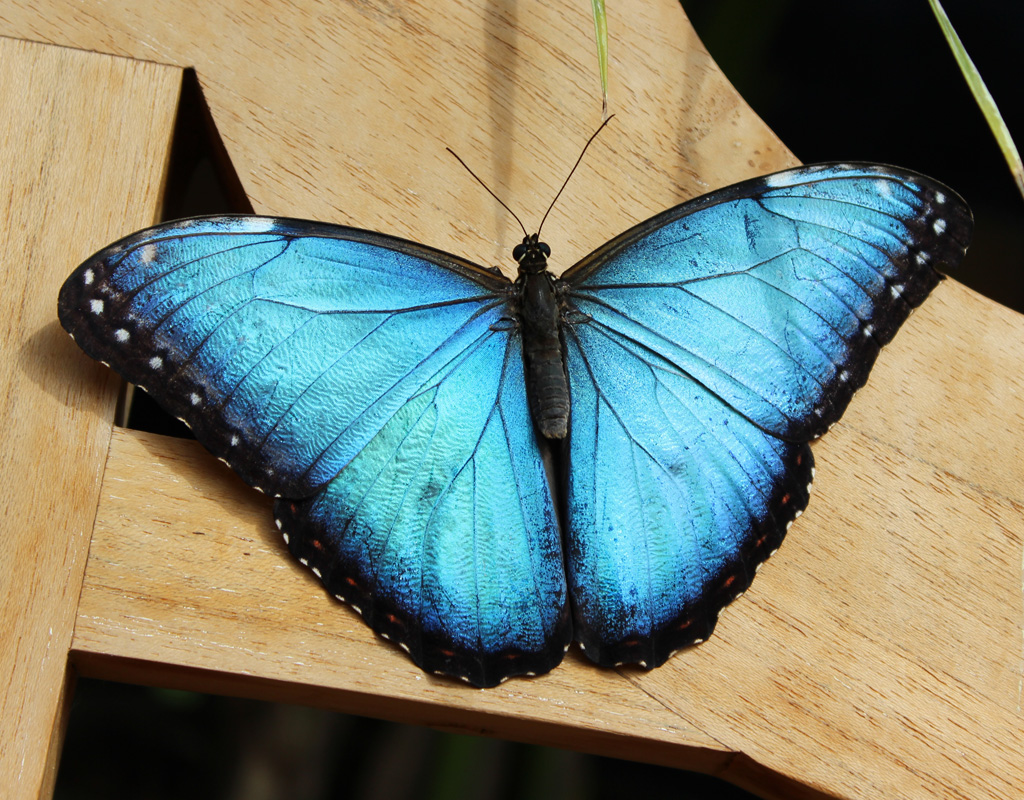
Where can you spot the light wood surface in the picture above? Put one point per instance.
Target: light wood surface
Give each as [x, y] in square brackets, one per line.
[878, 654]
[83, 143]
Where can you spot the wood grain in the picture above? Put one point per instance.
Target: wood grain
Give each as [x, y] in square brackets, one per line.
[882, 634]
[78, 165]
[879, 653]
[343, 113]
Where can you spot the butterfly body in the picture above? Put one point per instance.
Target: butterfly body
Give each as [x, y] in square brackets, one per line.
[390, 396]
[540, 310]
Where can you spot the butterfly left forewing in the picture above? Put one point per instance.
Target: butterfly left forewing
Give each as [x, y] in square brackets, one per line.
[281, 343]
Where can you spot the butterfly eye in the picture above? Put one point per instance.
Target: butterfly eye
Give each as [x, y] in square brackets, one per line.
[518, 252]
[545, 250]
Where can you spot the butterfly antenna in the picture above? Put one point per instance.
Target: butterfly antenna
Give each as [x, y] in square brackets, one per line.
[569, 176]
[488, 188]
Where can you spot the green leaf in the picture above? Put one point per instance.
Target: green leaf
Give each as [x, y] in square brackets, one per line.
[981, 96]
[601, 34]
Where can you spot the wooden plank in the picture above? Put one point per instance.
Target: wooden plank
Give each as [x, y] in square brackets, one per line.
[84, 141]
[344, 115]
[878, 654]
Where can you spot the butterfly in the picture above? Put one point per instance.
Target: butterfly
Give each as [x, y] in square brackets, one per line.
[402, 404]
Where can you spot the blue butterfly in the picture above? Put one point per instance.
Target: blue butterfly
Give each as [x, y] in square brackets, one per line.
[400, 401]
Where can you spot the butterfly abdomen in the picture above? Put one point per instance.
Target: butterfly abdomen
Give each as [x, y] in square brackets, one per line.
[546, 382]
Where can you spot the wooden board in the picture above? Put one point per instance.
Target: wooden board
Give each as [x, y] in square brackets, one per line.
[78, 165]
[877, 655]
[879, 636]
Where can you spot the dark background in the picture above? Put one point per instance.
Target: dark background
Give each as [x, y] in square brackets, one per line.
[871, 80]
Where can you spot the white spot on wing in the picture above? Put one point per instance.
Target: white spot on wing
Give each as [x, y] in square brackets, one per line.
[940, 198]
[287, 540]
[304, 562]
[195, 399]
[317, 573]
[89, 277]
[121, 335]
[147, 253]
[156, 362]
[234, 439]
[939, 225]
[96, 306]
[258, 224]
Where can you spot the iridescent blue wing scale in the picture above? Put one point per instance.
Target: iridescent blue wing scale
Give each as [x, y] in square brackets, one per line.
[375, 386]
[705, 348]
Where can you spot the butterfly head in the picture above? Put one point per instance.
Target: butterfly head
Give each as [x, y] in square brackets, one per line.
[532, 255]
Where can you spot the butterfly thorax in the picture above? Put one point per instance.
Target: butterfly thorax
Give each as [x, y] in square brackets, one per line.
[546, 382]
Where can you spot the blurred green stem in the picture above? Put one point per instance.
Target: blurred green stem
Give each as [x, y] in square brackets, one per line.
[601, 34]
[981, 96]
